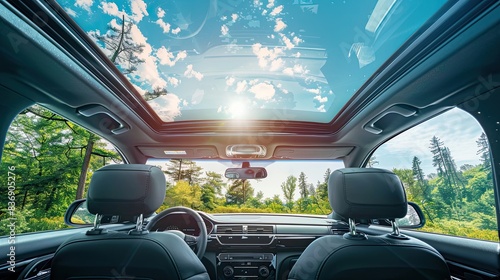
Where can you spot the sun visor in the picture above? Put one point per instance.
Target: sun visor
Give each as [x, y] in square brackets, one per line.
[200, 152]
[292, 152]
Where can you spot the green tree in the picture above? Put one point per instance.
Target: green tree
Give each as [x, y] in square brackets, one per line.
[183, 194]
[211, 187]
[322, 187]
[184, 169]
[288, 187]
[238, 192]
[124, 50]
[484, 152]
[47, 152]
[303, 186]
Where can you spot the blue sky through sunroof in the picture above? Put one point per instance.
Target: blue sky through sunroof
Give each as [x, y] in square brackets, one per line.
[235, 59]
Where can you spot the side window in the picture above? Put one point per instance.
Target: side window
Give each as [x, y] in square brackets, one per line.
[42, 164]
[445, 167]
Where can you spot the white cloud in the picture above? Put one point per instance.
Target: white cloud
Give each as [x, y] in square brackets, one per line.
[160, 13]
[270, 4]
[190, 73]
[321, 99]
[111, 9]
[299, 69]
[70, 12]
[241, 86]
[277, 64]
[313, 90]
[139, 9]
[288, 71]
[296, 69]
[166, 106]
[297, 54]
[146, 71]
[168, 58]
[288, 43]
[276, 10]
[173, 81]
[268, 56]
[164, 25]
[322, 108]
[296, 40]
[84, 4]
[280, 25]
[224, 30]
[230, 81]
[263, 91]
[234, 17]
[176, 30]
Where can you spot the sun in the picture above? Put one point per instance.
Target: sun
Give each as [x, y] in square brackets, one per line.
[237, 110]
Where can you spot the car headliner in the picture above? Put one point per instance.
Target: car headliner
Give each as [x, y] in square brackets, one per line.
[61, 69]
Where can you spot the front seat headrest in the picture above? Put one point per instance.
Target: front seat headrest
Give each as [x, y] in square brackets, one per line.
[367, 193]
[126, 189]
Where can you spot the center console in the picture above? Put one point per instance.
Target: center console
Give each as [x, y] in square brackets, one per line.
[242, 266]
[244, 252]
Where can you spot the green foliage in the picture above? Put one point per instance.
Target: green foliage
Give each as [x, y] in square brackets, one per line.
[183, 194]
[455, 201]
[47, 153]
[288, 187]
[239, 191]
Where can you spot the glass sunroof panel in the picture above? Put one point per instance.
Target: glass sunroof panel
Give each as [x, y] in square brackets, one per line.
[299, 60]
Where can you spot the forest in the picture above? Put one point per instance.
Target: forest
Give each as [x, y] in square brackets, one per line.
[53, 161]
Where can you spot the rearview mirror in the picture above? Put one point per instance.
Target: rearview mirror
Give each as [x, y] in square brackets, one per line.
[246, 173]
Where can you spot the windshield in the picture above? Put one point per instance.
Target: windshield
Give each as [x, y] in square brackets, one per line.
[298, 60]
[292, 186]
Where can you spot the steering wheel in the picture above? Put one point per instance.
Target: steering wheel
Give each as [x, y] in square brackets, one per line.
[199, 242]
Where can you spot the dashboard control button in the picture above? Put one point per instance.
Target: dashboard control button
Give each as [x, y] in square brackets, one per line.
[228, 271]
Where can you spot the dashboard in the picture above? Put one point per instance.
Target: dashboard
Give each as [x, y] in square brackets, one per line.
[183, 222]
[250, 246]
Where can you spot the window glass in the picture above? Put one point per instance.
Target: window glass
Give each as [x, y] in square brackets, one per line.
[43, 157]
[445, 167]
[291, 186]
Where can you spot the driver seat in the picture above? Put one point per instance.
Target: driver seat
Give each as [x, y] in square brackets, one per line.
[126, 190]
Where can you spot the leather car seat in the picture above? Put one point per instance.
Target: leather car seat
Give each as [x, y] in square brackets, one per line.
[368, 193]
[128, 190]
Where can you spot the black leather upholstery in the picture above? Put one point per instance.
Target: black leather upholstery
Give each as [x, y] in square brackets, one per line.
[121, 255]
[368, 193]
[126, 189]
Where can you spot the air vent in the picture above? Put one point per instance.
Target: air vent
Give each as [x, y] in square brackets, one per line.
[229, 229]
[260, 229]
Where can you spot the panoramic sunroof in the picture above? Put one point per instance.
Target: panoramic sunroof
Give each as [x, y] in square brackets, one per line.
[299, 60]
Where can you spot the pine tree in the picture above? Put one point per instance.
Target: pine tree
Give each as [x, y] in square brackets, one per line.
[184, 169]
[322, 187]
[239, 192]
[124, 51]
[484, 152]
[303, 187]
[420, 177]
